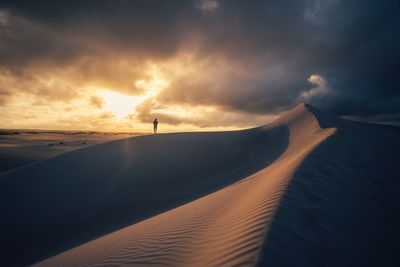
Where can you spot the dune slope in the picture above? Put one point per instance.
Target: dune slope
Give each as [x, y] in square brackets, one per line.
[342, 205]
[65, 201]
[309, 189]
[226, 227]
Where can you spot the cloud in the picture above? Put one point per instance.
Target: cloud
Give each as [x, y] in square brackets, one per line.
[96, 101]
[208, 5]
[4, 18]
[201, 116]
[249, 58]
[320, 88]
[316, 12]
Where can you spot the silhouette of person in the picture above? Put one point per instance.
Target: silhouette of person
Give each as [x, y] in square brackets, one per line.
[155, 124]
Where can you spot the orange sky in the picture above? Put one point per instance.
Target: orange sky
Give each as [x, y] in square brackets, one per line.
[195, 64]
[116, 96]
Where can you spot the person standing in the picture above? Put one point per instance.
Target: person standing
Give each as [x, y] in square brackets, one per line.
[155, 124]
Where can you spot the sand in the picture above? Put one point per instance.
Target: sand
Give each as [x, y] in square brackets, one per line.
[22, 147]
[309, 189]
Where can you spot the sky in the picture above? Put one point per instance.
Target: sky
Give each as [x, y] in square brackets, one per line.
[115, 65]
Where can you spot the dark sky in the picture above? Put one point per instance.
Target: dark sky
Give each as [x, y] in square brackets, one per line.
[240, 57]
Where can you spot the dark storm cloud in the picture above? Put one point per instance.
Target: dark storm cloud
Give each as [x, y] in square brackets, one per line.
[75, 27]
[23, 42]
[268, 49]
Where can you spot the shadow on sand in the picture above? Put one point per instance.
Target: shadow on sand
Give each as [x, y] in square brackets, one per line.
[60, 203]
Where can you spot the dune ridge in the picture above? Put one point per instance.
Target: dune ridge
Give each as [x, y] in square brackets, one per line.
[224, 228]
[342, 205]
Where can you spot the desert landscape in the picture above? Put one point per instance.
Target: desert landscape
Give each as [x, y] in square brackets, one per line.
[199, 133]
[309, 188]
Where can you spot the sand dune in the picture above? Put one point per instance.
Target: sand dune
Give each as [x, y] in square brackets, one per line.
[308, 189]
[22, 147]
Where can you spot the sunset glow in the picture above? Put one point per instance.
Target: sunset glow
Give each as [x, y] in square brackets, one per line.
[119, 104]
[198, 65]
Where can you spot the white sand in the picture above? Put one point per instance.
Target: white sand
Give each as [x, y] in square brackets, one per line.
[280, 195]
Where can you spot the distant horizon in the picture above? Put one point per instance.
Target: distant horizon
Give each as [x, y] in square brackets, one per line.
[205, 129]
[63, 130]
[149, 130]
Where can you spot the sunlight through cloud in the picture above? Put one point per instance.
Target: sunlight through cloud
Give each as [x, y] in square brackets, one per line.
[120, 104]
